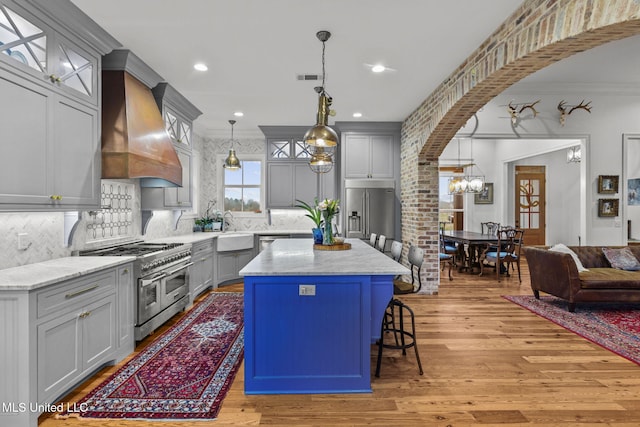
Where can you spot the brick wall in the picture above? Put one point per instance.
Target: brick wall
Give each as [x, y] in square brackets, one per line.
[539, 33]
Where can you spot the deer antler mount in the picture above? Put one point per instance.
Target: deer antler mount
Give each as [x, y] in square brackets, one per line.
[515, 110]
[563, 107]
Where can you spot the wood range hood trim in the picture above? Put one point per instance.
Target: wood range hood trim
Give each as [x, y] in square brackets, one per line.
[135, 143]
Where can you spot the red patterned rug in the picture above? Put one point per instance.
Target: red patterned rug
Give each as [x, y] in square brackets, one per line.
[184, 374]
[613, 326]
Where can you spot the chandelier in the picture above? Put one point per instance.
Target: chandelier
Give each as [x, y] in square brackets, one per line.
[469, 182]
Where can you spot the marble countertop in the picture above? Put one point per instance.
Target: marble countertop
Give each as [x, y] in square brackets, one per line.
[199, 236]
[33, 276]
[296, 257]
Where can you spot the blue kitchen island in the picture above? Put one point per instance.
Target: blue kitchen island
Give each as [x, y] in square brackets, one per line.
[311, 316]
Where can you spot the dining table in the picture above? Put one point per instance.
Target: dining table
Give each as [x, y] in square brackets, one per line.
[470, 245]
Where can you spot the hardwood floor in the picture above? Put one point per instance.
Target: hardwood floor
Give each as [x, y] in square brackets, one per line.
[486, 362]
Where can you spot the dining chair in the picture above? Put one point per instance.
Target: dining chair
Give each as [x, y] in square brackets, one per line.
[372, 239]
[445, 257]
[506, 252]
[382, 241]
[491, 228]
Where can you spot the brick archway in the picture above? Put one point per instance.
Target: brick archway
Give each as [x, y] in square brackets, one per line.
[539, 33]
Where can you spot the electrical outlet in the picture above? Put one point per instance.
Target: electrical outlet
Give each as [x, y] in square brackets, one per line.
[23, 241]
[307, 290]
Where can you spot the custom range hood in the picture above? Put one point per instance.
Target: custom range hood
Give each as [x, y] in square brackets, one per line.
[135, 143]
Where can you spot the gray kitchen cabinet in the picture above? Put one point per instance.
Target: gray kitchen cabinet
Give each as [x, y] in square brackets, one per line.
[201, 272]
[369, 156]
[230, 263]
[289, 177]
[49, 58]
[74, 343]
[178, 115]
[174, 197]
[76, 331]
[126, 310]
[288, 182]
[55, 155]
[370, 150]
[58, 334]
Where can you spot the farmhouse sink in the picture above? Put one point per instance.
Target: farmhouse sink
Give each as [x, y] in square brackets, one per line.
[234, 242]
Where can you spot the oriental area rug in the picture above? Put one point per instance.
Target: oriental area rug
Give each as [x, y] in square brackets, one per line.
[182, 375]
[613, 326]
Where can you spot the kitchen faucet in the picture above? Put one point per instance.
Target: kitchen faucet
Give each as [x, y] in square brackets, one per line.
[226, 222]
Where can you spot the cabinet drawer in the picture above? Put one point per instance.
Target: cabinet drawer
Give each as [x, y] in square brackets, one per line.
[74, 292]
[201, 247]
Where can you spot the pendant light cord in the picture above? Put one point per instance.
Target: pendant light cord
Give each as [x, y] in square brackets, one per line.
[323, 45]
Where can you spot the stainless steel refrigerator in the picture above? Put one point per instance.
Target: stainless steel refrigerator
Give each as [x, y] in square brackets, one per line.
[370, 208]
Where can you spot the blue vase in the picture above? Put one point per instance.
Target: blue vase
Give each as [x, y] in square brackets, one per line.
[327, 233]
[317, 236]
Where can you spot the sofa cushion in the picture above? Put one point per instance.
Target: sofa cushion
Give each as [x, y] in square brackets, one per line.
[564, 249]
[609, 278]
[621, 258]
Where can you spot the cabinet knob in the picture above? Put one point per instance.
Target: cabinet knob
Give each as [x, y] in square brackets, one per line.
[55, 197]
[125, 271]
[54, 78]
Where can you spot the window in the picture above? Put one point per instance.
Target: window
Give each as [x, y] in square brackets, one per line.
[242, 189]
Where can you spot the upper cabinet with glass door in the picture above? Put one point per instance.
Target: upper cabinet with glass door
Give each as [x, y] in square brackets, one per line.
[178, 113]
[288, 149]
[32, 46]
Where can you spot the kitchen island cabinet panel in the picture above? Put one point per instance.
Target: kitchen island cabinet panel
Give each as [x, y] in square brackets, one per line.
[283, 357]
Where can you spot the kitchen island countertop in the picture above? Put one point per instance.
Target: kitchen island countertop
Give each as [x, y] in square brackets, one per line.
[296, 257]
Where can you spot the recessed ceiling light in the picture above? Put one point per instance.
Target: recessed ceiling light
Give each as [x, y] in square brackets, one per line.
[238, 114]
[378, 68]
[200, 67]
[357, 115]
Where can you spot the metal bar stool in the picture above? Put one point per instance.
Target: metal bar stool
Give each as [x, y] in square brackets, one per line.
[395, 312]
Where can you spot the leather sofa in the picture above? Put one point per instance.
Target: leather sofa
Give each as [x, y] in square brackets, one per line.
[556, 273]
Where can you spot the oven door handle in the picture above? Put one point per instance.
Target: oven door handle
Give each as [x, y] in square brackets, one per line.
[182, 267]
[146, 282]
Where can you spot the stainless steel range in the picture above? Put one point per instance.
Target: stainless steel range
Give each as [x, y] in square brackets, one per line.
[161, 271]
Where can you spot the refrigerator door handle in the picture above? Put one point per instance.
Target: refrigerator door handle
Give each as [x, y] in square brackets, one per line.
[366, 198]
[365, 231]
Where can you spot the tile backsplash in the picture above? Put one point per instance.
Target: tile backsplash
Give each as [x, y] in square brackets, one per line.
[46, 231]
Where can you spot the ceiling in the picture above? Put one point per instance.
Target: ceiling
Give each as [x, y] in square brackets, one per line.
[255, 49]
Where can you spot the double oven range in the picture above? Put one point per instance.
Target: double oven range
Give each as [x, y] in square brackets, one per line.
[161, 274]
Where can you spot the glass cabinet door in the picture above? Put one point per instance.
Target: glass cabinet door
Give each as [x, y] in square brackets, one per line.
[22, 41]
[72, 70]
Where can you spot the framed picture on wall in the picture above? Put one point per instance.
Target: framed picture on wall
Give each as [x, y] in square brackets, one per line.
[633, 192]
[607, 184]
[485, 197]
[607, 207]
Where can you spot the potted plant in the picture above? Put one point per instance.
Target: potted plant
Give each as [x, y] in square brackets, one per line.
[315, 215]
[206, 221]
